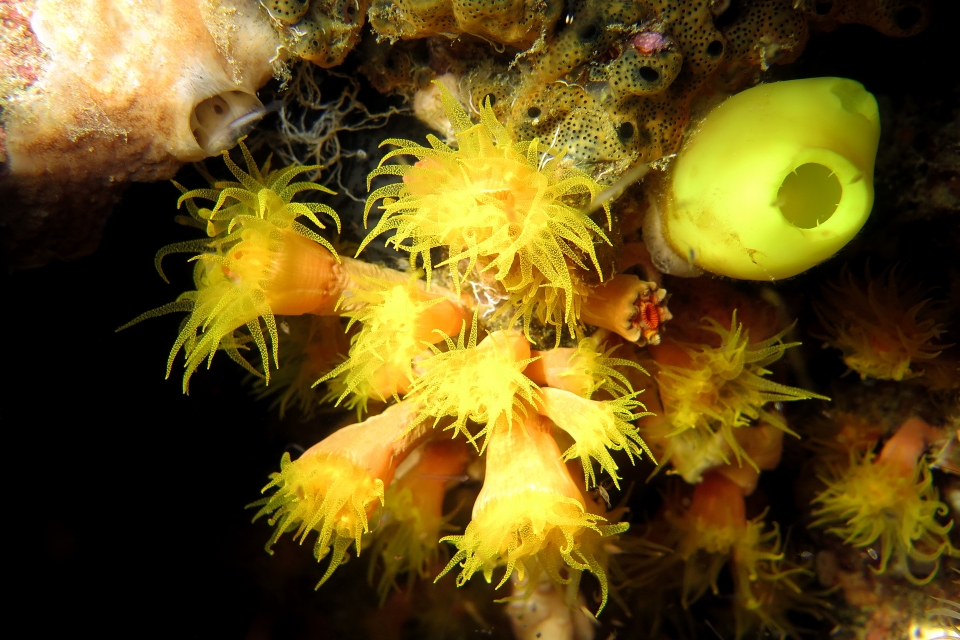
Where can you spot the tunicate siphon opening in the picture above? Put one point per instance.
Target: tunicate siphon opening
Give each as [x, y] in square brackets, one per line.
[809, 195]
[219, 121]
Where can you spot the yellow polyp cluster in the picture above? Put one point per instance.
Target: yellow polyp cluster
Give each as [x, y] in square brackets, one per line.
[540, 523]
[395, 329]
[873, 505]
[723, 388]
[325, 492]
[251, 224]
[513, 209]
[882, 327]
[482, 382]
[597, 428]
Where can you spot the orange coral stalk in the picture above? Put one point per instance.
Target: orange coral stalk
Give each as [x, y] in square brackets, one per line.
[336, 484]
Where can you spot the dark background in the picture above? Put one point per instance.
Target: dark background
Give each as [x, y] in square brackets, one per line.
[125, 498]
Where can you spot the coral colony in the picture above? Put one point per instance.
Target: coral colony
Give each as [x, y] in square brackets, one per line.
[519, 312]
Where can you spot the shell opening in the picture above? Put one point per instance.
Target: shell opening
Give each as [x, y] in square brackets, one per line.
[220, 121]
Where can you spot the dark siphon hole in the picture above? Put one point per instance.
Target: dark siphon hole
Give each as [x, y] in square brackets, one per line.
[908, 17]
[625, 131]
[822, 8]
[648, 74]
[589, 33]
[533, 112]
[492, 98]
[729, 16]
[714, 49]
[218, 109]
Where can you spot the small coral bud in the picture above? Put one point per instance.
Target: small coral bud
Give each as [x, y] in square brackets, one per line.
[480, 382]
[882, 328]
[716, 515]
[583, 370]
[336, 484]
[890, 501]
[596, 428]
[628, 306]
[510, 208]
[529, 515]
[763, 445]
[399, 321]
[407, 542]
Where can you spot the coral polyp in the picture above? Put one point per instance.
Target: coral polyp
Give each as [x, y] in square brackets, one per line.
[541, 524]
[719, 388]
[886, 328]
[482, 382]
[399, 321]
[597, 428]
[336, 485]
[510, 208]
[889, 502]
[260, 261]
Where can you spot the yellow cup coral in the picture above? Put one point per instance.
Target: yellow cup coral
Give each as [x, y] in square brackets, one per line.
[881, 327]
[890, 501]
[512, 208]
[776, 179]
[260, 262]
[717, 389]
[336, 484]
[399, 321]
[530, 515]
[481, 382]
[596, 427]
